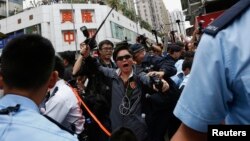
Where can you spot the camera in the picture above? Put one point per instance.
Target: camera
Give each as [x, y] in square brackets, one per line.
[85, 31]
[157, 82]
[142, 39]
[90, 41]
[148, 69]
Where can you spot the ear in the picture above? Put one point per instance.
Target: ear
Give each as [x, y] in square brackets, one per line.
[65, 62]
[53, 79]
[1, 81]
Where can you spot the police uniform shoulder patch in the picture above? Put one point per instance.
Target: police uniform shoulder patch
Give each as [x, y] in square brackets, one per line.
[227, 17]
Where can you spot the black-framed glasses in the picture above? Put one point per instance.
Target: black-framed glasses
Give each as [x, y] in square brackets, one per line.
[108, 49]
[120, 58]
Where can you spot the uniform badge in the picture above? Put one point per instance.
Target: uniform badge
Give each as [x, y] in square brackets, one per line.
[132, 85]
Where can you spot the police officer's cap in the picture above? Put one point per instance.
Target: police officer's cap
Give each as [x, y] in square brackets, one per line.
[136, 48]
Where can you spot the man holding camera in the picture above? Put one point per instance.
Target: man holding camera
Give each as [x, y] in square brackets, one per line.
[157, 106]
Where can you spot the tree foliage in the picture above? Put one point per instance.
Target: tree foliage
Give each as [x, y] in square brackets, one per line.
[129, 13]
[145, 25]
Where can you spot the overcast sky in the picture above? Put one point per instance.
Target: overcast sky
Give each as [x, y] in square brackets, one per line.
[172, 5]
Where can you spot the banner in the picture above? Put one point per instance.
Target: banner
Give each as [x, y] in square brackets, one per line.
[206, 19]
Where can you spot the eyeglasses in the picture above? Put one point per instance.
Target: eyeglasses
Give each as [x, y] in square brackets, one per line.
[121, 58]
[108, 49]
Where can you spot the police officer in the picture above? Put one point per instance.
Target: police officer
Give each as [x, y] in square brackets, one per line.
[158, 107]
[148, 62]
[218, 88]
[26, 74]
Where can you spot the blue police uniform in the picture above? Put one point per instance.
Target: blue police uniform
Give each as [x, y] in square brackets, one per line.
[158, 107]
[153, 62]
[26, 123]
[219, 85]
[157, 63]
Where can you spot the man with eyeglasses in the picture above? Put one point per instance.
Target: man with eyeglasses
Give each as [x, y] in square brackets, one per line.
[105, 52]
[98, 90]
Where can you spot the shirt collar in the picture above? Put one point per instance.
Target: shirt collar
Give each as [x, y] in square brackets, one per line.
[13, 100]
[118, 71]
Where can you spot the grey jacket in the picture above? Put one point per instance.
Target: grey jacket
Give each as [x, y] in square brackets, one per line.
[126, 102]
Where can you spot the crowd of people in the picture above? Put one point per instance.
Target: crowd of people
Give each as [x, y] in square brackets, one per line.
[126, 86]
[129, 92]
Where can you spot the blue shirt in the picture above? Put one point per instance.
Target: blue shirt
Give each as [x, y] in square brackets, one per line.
[27, 123]
[219, 83]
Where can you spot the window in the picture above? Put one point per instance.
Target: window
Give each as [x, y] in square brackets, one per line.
[119, 32]
[31, 17]
[19, 21]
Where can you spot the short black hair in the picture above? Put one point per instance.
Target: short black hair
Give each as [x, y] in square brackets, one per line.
[27, 62]
[189, 54]
[174, 48]
[69, 56]
[123, 134]
[180, 43]
[108, 42]
[119, 48]
[59, 66]
[187, 64]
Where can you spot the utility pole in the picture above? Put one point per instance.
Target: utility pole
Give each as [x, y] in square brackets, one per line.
[7, 8]
[189, 8]
[74, 29]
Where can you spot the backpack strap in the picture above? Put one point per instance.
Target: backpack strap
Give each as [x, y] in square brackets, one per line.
[58, 124]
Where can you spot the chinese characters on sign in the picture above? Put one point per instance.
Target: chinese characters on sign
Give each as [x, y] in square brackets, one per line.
[67, 16]
[69, 36]
[87, 16]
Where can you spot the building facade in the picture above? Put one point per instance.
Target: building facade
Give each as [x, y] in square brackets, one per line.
[154, 12]
[61, 24]
[177, 23]
[10, 7]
